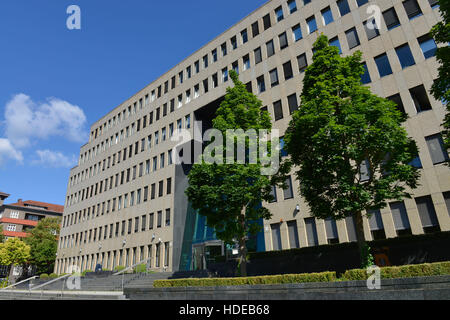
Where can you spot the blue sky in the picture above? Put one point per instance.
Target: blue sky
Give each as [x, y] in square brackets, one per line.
[55, 82]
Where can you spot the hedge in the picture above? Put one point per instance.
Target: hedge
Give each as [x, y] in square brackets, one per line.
[277, 279]
[43, 276]
[408, 271]
[140, 268]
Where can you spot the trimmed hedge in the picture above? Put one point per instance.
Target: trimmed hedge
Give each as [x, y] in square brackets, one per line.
[278, 279]
[43, 276]
[408, 271]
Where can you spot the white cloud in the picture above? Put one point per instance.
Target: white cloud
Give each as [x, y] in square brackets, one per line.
[7, 151]
[54, 159]
[27, 121]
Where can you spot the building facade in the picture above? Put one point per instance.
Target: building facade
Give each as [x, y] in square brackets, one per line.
[125, 200]
[18, 218]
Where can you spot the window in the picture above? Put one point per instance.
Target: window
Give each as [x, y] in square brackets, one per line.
[302, 62]
[343, 7]
[311, 232]
[225, 75]
[261, 84]
[273, 193]
[258, 55]
[159, 220]
[391, 19]
[297, 32]
[400, 217]
[437, 150]
[197, 66]
[223, 47]
[214, 55]
[427, 214]
[244, 36]
[276, 236]
[376, 225]
[383, 65]
[312, 25]
[305, 2]
[288, 193]
[331, 230]
[151, 220]
[287, 69]
[270, 48]
[293, 234]
[327, 16]
[189, 72]
[167, 217]
[283, 40]
[335, 42]
[274, 77]
[434, 3]
[371, 29]
[292, 6]
[215, 81]
[396, 98]
[352, 38]
[255, 29]
[428, 46]
[293, 104]
[169, 186]
[14, 214]
[246, 61]
[235, 66]
[420, 98]
[153, 191]
[279, 13]
[234, 43]
[405, 56]
[180, 77]
[365, 77]
[266, 21]
[278, 110]
[11, 227]
[248, 86]
[412, 9]
[361, 2]
[351, 228]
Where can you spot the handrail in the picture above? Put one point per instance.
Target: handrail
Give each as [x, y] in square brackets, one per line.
[15, 284]
[51, 281]
[131, 267]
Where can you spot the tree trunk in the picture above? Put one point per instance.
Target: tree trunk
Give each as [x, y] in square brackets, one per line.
[243, 246]
[359, 226]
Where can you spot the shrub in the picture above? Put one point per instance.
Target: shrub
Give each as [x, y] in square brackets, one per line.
[142, 268]
[119, 268]
[3, 283]
[85, 271]
[277, 279]
[408, 271]
[53, 276]
[43, 276]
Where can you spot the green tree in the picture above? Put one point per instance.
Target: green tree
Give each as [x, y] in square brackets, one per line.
[2, 237]
[441, 86]
[43, 241]
[230, 195]
[14, 252]
[341, 129]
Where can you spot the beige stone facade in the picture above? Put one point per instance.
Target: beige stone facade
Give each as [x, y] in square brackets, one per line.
[123, 158]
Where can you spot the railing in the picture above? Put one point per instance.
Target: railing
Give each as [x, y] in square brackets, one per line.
[51, 281]
[20, 282]
[122, 272]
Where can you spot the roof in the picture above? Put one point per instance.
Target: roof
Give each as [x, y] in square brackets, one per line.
[4, 195]
[41, 205]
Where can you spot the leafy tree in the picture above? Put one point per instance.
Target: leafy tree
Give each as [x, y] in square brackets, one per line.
[43, 240]
[14, 252]
[2, 237]
[230, 195]
[441, 86]
[340, 129]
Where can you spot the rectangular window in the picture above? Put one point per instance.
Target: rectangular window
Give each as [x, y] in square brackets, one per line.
[302, 62]
[420, 98]
[335, 42]
[270, 48]
[365, 77]
[274, 77]
[261, 84]
[293, 234]
[287, 69]
[167, 217]
[276, 236]
[331, 231]
[437, 150]
[266, 21]
[255, 29]
[288, 192]
[197, 66]
[246, 61]
[383, 65]
[297, 32]
[244, 36]
[351, 228]
[312, 25]
[396, 98]
[391, 19]
[223, 47]
[372, 30]
[327, 16]
[258, 55]
[278, 110]
[169, 186]
[293, 104]
[400, 217]
[225, 75]
[311, 232]
[279, 13]
[233, 43]
[214, 55]
[428, 46]
[376, 225]
[151, 221]
[273, 193]
[352, 38]
[205, 62]
[361, 2]
[161, 188]
[343, 7]
[427, 214]
[159, 220]
[412, 9]
[434, 3]
[405, 56]
[283, 41]
[292, 6]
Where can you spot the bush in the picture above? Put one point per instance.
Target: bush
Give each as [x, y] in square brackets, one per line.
[142, 268]
[277, 279]
[119, 268]
[43, 276]
[53, 276]
[85, 271]
[3, 283]
[408, 271]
